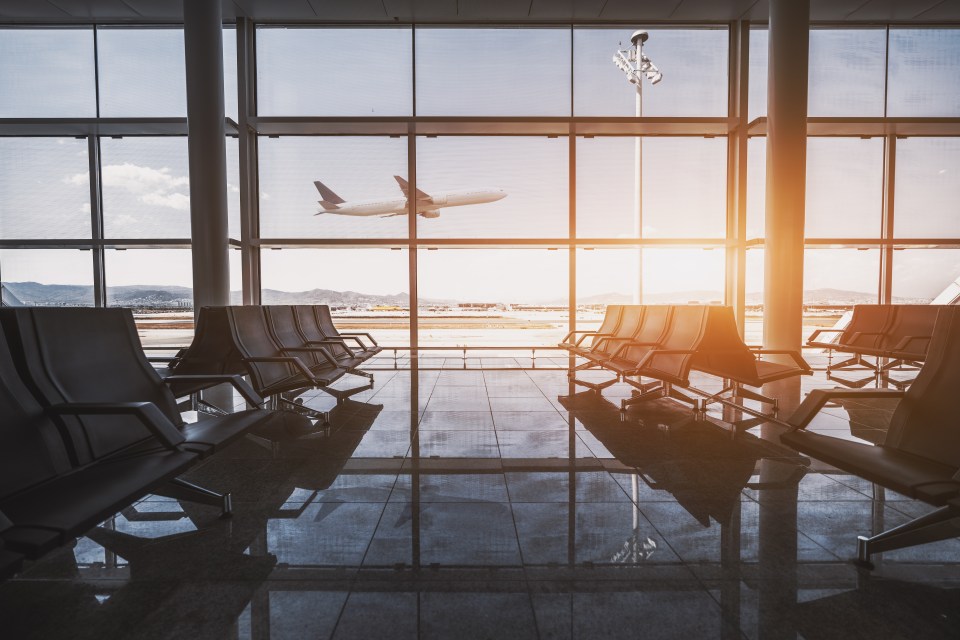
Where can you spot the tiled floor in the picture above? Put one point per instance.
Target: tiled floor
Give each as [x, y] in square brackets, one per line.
[505, 504]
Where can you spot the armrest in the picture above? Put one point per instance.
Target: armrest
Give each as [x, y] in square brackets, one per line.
[575, 332]
[360, 333]
[355, 339]
[592, 333]
[295, 361]
[908, 339]
[813, 336]
[649, 355]
[817, 398]
[338, 341]
[146, 412]
[797, 358]
[326, 354]
[241, 385]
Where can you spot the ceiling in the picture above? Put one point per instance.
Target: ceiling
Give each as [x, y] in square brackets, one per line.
[472, 11]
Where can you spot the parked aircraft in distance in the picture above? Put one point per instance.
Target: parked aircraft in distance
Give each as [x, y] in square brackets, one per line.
[428, 205]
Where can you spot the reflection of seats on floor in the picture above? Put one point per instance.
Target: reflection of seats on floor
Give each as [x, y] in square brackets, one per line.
[880, 608]
[894, 335]
[920, 455]
[281, 362]
[702, 468]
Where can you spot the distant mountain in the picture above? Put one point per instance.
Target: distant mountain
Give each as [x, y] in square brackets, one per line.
[33, 293]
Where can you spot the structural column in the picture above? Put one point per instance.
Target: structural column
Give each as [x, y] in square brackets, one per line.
[203, 40]
[786, 173]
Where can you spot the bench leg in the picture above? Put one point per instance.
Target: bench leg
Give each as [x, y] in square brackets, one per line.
[942, 524]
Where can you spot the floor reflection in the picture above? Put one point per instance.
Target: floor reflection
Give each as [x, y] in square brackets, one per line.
[503, 504]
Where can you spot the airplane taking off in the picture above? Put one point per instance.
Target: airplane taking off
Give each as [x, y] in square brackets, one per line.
[428, 205]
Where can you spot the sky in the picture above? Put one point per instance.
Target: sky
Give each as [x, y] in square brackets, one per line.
[475, 72]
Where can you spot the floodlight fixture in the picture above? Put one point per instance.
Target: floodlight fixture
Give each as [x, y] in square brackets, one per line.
[634, 62]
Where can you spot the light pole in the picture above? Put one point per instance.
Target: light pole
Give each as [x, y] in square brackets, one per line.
[637, 66]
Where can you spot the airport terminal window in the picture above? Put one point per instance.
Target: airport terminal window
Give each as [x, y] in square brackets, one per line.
[146, 187]
[141, 72]
[493, 72]
[757, 89]
[233, 187]
[927, 188]
[920, 275]
[756, 186]
[47, 277]
[846, 72]
[47, 73]
[510, 187]
[844, 187]
[45, 184]
[924, 65]
[335, 71]
[693, 62]
[495, 297]
[363, 198]
[161, 299]
[684, 187]
[367, 289]
[608, 275]
[753, 296]
[683, 275]
[841, 277]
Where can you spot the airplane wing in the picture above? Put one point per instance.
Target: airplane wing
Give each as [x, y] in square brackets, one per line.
[405, 187]
[390, 215]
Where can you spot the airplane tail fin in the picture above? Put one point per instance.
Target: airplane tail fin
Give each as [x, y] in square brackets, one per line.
[405, 187]
[330, 199]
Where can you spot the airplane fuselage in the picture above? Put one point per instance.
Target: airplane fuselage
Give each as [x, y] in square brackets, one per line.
[425, 206]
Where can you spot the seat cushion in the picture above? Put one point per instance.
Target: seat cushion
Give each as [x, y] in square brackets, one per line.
[911, 475]
[212, 433]
[74, 503]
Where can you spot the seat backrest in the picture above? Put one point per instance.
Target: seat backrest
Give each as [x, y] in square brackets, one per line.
[687, 325]
[310, 329]
[653, 329]
[212, 350]
[248, 324]
[31, 448]
[282, 323]
[83, 354]
[631, 317]
[325, 320]
[925, 423]
[872, 319]
[722, 350]
[911, 320]
[611, 321]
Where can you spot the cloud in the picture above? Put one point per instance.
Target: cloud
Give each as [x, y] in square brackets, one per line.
[151, 186]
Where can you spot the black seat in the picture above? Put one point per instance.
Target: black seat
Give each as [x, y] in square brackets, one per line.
[49, 491]
[605, 343]
[10, 561]
[309, 328]
[920, 456]
[86, 355]
[212, 352]
[325, 324]
[611, 320]
[656, 323]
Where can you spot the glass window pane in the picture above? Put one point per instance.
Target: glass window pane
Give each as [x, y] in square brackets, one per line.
[846, 72]
[921, 275]
[359, 171]
[844, 187]
[233, 187]
[47, 277]
[682, 275]
[334, 72]
[605, 276]
[45, 184]
[927, 188]
[142, 73]
[158, 285]
[756, 186]
[494, 297]
[836, 279]
[753, 317]
[509, 187]
[924, 66]
[693, 63]
[493, 72]
[47, 73]
[684, 187]
[367, 289]
[146, 187]
[229, 73]
[759, 61]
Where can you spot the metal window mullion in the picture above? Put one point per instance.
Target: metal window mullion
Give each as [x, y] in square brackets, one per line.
[96, 222]
[414, 295]
[249, 162]
[886, 231]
